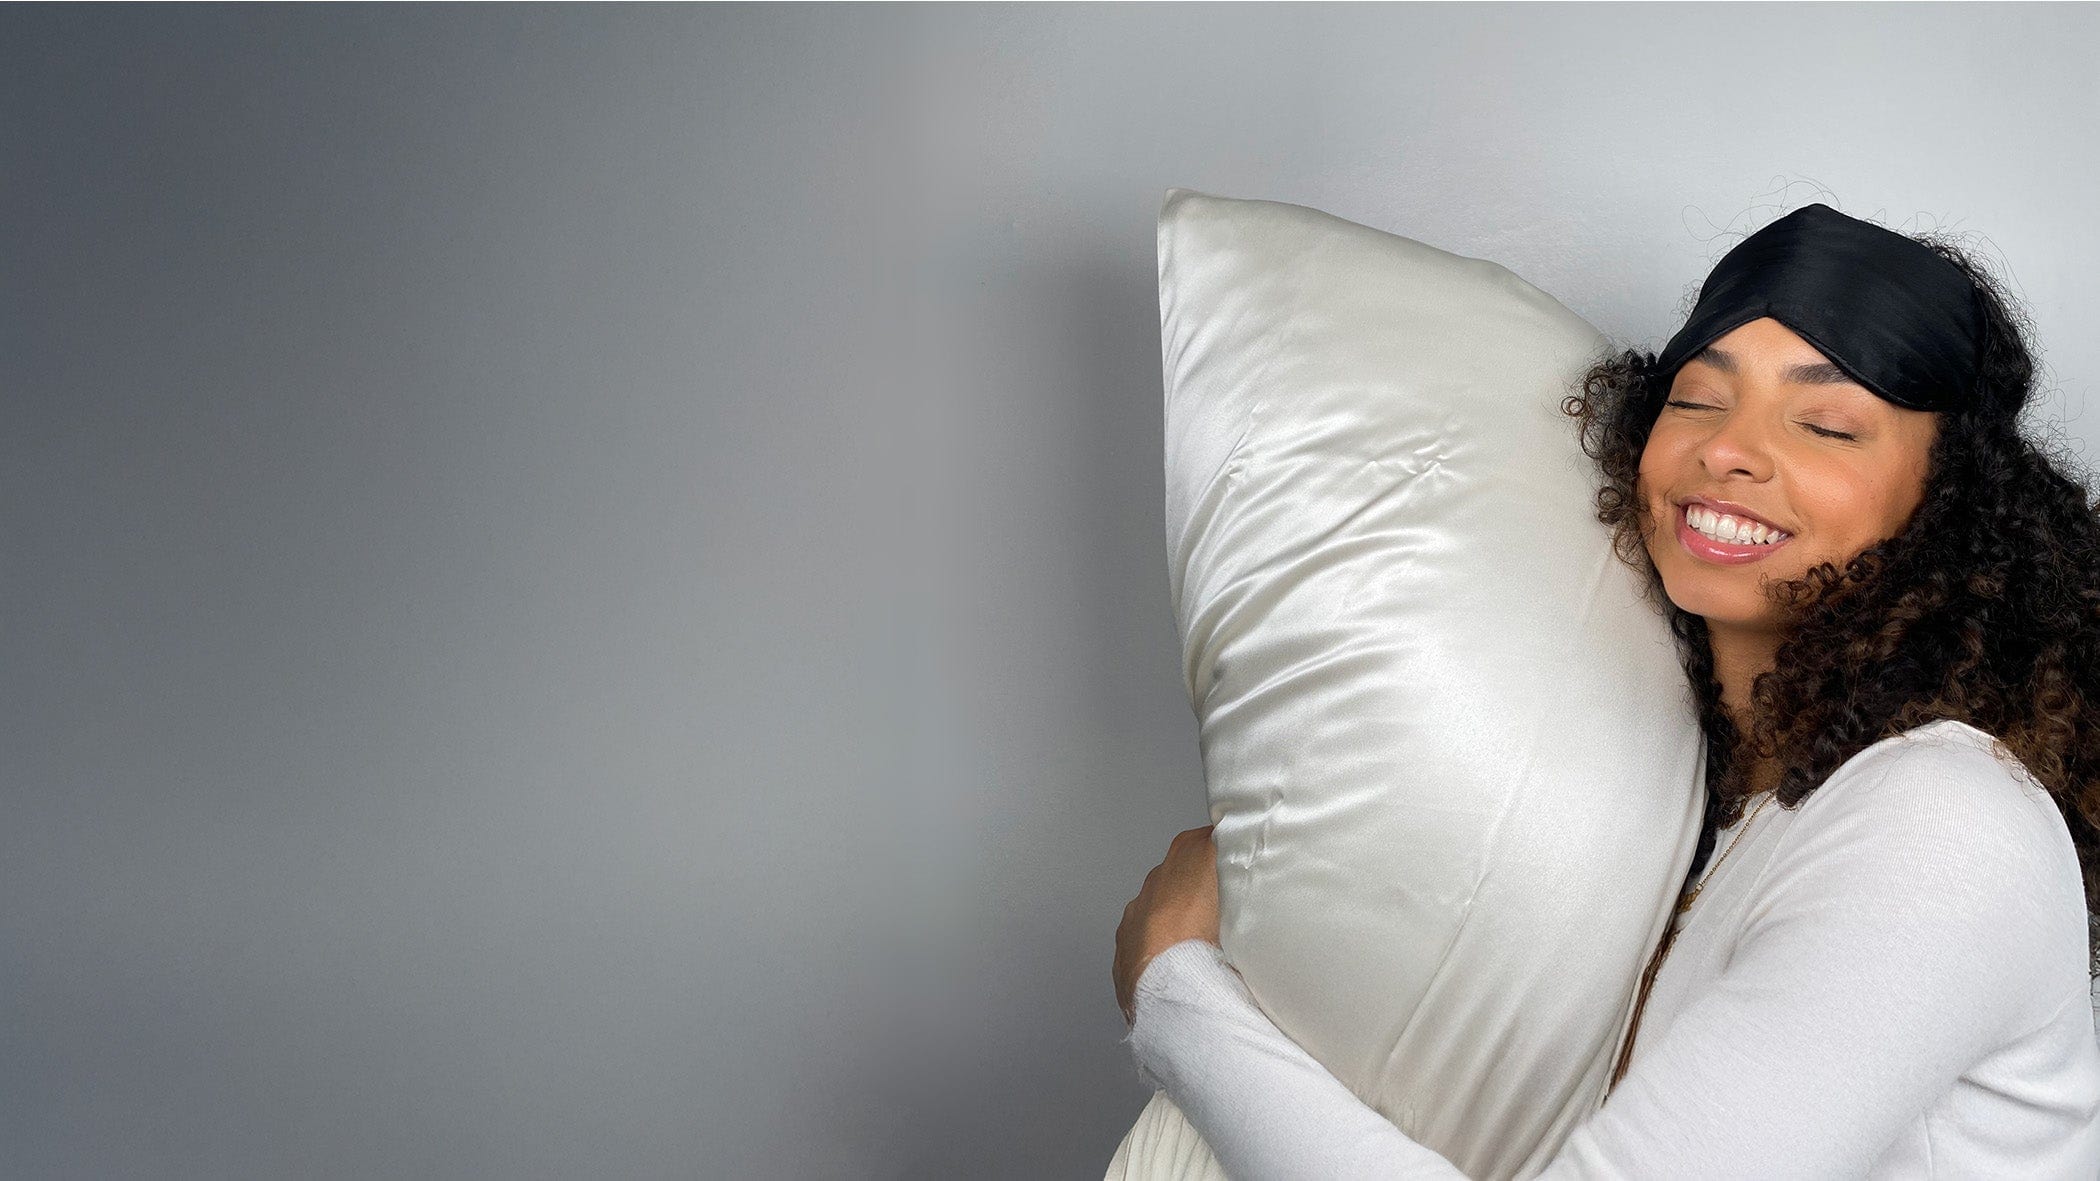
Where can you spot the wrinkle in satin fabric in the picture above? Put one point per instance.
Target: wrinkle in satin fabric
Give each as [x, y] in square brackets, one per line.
[1451, 756]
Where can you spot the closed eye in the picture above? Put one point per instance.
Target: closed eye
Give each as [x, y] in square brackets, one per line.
[1823, 431]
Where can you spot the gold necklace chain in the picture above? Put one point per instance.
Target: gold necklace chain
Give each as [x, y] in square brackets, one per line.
[1709, 875]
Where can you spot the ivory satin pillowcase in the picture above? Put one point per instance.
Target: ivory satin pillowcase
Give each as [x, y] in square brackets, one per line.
[1451, 756]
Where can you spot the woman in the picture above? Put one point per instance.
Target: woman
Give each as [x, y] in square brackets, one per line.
[1888, 603]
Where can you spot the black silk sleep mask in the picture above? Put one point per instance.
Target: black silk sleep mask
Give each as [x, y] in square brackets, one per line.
[1900, 319]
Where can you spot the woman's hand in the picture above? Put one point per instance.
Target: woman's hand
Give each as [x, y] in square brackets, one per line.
[1178, 901]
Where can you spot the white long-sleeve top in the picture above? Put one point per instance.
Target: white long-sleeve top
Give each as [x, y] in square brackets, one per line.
[1890, 981]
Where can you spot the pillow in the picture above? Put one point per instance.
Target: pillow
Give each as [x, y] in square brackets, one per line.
[1453, 760]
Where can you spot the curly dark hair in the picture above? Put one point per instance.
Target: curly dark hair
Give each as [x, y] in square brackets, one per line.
[1985, 608]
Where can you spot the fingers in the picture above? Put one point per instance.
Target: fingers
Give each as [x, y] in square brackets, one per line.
[1191, 834]
[1188, 840]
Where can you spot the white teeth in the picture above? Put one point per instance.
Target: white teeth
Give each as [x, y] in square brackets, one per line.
[1733, 530]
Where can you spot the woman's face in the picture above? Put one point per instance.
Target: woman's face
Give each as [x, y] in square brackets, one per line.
[1762, 428]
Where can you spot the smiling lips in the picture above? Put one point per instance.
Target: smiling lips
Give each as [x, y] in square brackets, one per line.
[1725, 553]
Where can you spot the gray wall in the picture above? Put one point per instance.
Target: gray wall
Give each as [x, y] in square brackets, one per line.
[581, 589]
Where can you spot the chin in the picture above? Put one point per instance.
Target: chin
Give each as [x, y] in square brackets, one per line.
[1724, 596]
[1742, 605]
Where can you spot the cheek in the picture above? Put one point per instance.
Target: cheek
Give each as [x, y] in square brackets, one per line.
[1658, 457]
[1662, 461]
[1845, 512]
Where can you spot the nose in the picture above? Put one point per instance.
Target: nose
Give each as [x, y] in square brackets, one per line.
[1738, 447]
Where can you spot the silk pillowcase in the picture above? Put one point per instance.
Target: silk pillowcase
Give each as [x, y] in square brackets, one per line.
[1451, 755]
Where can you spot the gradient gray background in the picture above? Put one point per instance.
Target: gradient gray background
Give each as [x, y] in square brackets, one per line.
[583, 588]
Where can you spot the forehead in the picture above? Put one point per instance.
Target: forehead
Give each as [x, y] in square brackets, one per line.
[1766, 348]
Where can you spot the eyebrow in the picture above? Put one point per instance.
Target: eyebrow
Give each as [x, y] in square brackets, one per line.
[1807, 373]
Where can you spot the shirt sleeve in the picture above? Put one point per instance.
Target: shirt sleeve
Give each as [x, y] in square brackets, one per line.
[1916, 926]
[1265, 1107]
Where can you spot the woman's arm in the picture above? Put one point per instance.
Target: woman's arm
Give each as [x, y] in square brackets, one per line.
[1266, 1108]
[1916, 925]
